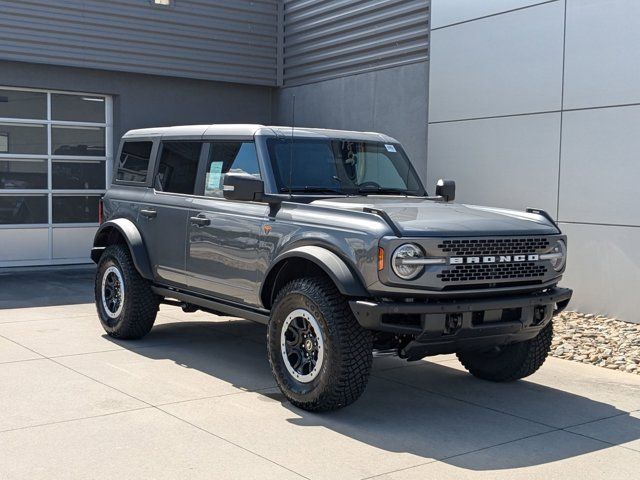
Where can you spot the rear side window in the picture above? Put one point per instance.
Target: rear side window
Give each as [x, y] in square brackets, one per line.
[229, 157]
[178, 167]
[134, 162]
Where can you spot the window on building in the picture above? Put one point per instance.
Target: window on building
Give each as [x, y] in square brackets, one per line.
[134, 162]
[229, 157]
[178, 167]
[75, 208]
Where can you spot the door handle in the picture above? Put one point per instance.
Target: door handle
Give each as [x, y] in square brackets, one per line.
[149, 213]
[200, 221]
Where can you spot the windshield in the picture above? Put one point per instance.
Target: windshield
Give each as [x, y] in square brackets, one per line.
[341, 167]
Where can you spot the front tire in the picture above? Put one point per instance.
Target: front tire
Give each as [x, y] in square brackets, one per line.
[126, 305]
[320, 356]
[510, 362]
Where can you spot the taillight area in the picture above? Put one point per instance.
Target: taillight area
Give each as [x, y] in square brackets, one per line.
[100, 212]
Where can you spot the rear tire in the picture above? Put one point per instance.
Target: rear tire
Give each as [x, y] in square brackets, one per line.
[510, 362]
[318, 370]
[126, 305]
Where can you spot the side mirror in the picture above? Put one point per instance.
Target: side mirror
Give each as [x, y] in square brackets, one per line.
[242, 187]
[446, 189]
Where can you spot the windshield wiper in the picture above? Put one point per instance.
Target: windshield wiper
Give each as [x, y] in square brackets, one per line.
[312, 189]
[385, 190]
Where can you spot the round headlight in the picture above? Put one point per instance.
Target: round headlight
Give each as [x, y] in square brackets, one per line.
[560, 258]
[404, 270]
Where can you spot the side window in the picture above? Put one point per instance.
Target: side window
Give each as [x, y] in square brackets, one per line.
[229, 157]
[134, 162]
[178, 167]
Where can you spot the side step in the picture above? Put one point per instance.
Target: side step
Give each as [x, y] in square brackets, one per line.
[218, 307]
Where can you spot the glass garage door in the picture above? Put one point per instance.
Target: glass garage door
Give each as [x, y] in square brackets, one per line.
[54, 152]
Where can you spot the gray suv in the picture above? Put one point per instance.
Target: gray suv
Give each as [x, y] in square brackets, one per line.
[329, 238]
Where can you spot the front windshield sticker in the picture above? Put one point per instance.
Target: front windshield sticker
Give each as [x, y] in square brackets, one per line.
[213, 176]
[390, 148]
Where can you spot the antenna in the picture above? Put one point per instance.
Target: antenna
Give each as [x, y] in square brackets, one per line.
[293, 126]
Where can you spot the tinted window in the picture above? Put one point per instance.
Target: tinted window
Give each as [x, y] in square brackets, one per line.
[78, 141]
[342, 166]
[72, 175]
[77, 108]
[178, 167]
[75, 209]
[24, 174]
[23, 209]
[229, 157]
[17, 104]
[23, 138]
[134, 162]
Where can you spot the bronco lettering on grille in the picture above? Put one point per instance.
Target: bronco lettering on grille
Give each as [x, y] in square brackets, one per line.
[532, 257]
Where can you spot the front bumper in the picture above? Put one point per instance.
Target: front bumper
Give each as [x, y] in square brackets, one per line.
[448, 326]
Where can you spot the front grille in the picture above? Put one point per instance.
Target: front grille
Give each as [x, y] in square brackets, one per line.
[493, 271]
[494, 246]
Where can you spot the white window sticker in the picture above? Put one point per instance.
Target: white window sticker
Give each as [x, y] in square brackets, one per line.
[214, 175]
[390, 148]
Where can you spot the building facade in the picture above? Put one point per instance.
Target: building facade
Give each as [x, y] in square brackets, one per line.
[75, 75]
[536, 103]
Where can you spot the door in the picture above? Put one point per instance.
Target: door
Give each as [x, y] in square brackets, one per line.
[164, 215]
[224, 234]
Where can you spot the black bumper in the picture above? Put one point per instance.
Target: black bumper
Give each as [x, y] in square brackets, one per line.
[448, 326]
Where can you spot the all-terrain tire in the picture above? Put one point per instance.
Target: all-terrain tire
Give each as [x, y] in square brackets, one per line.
[139, 305]
[512, 362]
[348, 348]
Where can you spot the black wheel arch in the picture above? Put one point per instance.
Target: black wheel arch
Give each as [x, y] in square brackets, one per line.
[123, 231]
[310, 260]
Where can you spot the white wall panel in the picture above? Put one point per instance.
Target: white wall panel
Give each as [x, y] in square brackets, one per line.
[602, 65]
[446, 12]
[504, 162]
[73, 242]
[24, 244]
[507, 64]
[600, 166]
[604, 269]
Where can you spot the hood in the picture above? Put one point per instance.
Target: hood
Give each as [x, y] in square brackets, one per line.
[423, 217]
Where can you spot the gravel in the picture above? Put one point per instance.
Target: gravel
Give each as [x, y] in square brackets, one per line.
[598, 340]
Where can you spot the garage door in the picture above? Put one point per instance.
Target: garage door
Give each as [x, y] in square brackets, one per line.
[54, 152]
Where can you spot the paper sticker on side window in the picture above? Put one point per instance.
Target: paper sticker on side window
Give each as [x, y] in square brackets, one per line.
[214, 175]
[390, 148]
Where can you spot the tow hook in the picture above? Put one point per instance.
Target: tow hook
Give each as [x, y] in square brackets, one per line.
[452, 323]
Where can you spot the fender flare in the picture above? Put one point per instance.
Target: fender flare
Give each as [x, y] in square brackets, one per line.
[338, 271]
[132, 236]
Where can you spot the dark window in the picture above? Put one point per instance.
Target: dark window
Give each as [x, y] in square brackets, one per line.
[72, 175]
[77, 108]
[75, 209]
[178, 167]
[342, 167]
[23, 138]
[17, 104]
[24, 174]
[134, 162]
[23, 209]
[78, 141]
[229, 157]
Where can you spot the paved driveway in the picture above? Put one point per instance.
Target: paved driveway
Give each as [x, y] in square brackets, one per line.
[195, 399]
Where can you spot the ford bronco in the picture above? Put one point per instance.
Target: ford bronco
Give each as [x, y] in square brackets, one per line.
[330, 239]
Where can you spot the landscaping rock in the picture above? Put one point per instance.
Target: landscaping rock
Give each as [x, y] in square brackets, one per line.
[598, 340]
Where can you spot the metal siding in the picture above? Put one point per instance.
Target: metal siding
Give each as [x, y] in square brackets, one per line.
[329, 39]
[205, 39]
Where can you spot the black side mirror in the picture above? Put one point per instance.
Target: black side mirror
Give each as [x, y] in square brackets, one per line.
[242, 187]
[446, 189]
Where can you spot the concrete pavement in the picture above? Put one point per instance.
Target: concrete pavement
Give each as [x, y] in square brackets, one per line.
[195, 399]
